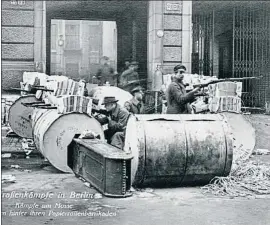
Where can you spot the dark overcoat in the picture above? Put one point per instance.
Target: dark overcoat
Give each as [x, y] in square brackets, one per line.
[177, 99]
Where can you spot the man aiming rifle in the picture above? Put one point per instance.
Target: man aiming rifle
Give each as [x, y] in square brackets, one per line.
[178, 99]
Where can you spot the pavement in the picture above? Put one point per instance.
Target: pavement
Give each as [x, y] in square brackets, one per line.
[43, 195]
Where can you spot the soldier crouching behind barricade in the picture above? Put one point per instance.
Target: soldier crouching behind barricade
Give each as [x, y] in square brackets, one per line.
[135, 105]
[117, 121]
[177, 98]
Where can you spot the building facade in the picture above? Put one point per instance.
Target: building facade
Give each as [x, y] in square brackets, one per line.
[220, 38]
[78, 45]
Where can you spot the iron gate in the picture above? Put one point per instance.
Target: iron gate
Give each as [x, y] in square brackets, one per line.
[242, 50]
[251, 51]
[202, 54]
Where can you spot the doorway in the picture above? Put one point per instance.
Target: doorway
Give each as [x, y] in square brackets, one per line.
[225, 55]
[78, 45]
[130, 18]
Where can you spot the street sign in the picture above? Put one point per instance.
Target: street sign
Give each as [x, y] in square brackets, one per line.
[173, 6]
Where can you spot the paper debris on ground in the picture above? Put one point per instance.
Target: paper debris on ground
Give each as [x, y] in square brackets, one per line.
[88, 135]
[87, 184]
[149, 190]
[97, 196]
[8, 178]
[248, 179]
[144, 194]
[6, 155]
[80, 178]
[261, 151]
[132, 189]
[15, 166]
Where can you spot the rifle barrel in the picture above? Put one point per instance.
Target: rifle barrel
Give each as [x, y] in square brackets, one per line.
[224, 80]
[19, 89]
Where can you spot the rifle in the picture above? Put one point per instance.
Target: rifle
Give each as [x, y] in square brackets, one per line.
[101, 116]
[32, 89]
[224, 80]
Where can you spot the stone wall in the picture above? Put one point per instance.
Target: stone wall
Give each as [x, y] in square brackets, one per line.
[17, 42]
[169, 36]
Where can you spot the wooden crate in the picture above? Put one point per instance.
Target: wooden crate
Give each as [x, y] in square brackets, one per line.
[105, 167]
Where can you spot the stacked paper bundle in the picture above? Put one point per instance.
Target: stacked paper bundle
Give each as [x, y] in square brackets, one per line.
[69, 87]
[225, 96]
[74, 103]
[67, 95]
[225, 104]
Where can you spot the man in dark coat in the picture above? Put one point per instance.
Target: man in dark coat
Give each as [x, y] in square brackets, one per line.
[117, 118]
[135, 105]
[177, 98]
[105, 73]
[130, 77]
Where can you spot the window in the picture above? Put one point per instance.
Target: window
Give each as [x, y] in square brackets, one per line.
[53, 37]
[72, 36]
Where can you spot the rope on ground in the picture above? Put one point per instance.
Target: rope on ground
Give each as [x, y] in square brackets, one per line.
[247, 178]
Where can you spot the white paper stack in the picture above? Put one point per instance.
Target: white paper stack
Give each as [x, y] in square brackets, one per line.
[74, 103]
[225, 97]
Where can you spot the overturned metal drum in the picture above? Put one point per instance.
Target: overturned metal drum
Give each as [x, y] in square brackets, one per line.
[20, 116]
[174, 150]
[53, 133]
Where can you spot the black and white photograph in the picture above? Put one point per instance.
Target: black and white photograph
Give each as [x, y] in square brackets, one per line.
[135, 112]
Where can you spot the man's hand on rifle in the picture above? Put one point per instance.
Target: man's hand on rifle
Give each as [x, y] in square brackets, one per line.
[109, 118]
[196, 89]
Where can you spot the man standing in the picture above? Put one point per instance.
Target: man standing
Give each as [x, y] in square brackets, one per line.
[126, 66]
[105, 73]
[117, 121]
[135, 105]
[177, 98]
[130, 77]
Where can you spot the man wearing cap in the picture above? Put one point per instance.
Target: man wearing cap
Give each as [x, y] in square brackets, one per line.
[178, 69]
[117, 121]
[128, 76]
[177, 98]
[135, 105]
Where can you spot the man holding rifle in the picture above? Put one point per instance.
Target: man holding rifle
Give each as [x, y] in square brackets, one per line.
[117, 121]
[177, 98]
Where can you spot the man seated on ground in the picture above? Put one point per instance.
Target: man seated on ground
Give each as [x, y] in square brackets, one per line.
[117, 121]
[177, 98]
[135, 105]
